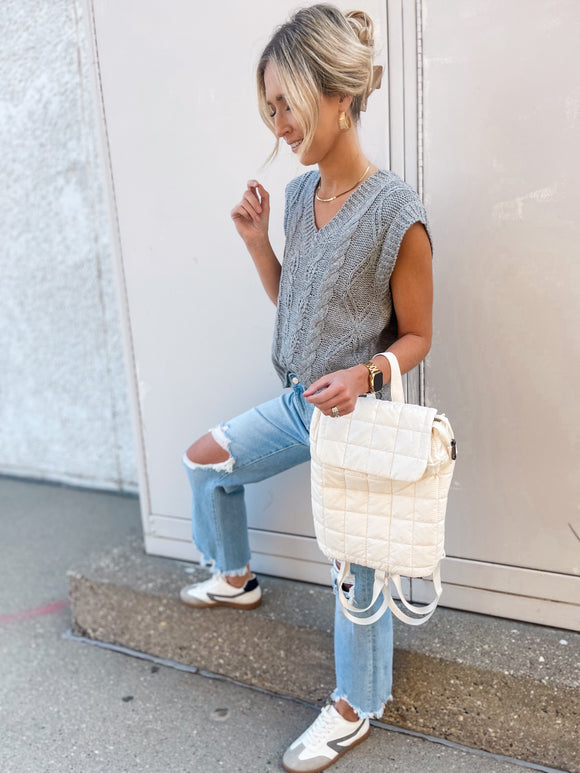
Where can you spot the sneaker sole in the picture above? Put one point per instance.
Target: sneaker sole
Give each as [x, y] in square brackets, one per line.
[210, 604]
[332, 761]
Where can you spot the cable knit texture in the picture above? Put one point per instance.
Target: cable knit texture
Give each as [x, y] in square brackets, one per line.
[335, 306]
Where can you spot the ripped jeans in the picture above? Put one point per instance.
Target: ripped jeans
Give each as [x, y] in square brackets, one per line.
[265, 440]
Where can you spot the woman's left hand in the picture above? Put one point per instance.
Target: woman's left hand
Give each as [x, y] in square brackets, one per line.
[338, 390]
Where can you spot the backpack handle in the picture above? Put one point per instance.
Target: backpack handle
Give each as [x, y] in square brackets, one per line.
[382, 587]
[397, 393]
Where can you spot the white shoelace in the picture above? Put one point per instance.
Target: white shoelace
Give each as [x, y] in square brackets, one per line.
[317, 732]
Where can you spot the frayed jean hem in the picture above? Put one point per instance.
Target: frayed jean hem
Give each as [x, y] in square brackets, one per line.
[209, 563]
[336, 696]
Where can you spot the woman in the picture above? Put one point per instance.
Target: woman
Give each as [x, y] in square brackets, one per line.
[356, 280]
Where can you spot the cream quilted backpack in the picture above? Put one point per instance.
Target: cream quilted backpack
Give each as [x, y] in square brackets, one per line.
[380, 479]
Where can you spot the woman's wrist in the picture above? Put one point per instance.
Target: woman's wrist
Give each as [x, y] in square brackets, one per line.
[384, 365]
[362, 375]
[260, 244]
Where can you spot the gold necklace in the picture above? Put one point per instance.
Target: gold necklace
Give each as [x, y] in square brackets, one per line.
[332, 198]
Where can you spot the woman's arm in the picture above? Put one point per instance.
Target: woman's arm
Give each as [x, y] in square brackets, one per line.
[251, 217]
[412, 291]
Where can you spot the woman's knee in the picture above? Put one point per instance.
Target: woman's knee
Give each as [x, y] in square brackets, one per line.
[206, 450]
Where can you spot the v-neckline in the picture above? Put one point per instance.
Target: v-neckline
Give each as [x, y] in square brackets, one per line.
[340, 213]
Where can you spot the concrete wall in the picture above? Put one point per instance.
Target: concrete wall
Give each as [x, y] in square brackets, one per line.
[64, 411]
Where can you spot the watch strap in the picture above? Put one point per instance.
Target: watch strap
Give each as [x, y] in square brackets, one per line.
[373, 371]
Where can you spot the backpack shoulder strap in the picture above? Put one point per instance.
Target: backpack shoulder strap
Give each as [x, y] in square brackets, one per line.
[382, 587]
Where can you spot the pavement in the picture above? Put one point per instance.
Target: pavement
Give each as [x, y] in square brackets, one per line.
[71, 706]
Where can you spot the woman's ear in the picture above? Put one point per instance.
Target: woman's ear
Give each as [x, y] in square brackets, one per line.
[344, 102]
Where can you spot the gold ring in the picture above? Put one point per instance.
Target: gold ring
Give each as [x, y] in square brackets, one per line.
[335, 412]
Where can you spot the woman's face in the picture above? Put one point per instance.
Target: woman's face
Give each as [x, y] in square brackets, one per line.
[288, 129]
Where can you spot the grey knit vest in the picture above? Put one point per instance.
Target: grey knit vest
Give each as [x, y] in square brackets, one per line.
[335, 307]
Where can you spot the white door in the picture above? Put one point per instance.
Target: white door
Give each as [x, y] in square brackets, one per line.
[479, 112]
[184, 136]
[500, 125]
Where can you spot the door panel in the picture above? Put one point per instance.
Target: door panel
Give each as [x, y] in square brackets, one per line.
[479, 111]
[501, 168]
[183, 136]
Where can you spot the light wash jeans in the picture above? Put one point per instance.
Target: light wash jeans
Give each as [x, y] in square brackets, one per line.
[266, 440]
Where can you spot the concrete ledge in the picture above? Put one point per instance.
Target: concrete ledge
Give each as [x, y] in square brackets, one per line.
[505, 687]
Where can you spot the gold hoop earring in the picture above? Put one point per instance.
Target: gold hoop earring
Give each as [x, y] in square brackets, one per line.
[344, 123]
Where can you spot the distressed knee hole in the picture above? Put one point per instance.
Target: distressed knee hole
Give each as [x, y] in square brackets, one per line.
[218, 435]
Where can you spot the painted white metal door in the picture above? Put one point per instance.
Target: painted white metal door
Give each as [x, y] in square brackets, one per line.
[479, 124]
[500, 126]
[184, 136]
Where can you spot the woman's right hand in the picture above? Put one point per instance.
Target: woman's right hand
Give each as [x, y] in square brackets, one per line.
[252, 214]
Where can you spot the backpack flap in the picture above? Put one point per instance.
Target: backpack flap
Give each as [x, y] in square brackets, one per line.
[380, 438]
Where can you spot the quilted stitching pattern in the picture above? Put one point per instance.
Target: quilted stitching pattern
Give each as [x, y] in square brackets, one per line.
[401, 502]
[392, 440]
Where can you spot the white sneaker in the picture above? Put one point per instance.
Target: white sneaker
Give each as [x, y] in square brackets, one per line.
[327, 739]
[217, 592]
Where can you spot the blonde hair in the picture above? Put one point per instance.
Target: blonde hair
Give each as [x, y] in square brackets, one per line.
[320, 50]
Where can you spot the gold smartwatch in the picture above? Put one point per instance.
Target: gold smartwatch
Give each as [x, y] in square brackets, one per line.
[375, 377]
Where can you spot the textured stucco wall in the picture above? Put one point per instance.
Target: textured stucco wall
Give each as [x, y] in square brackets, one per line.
[64, 411]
